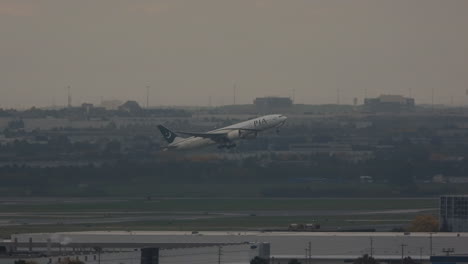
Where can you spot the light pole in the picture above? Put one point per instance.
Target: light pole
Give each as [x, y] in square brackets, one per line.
[402, 252]
[430, 244]
[147, 96]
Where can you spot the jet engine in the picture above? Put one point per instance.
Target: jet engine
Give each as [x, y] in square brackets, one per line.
[242, 134]
[235, 134]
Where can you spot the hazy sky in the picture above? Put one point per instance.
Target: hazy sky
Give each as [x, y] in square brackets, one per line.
[190, 50]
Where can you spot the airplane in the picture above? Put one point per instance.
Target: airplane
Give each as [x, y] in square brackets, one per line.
[225, 136]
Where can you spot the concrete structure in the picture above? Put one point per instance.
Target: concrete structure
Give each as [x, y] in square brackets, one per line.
[328, 247]
[454, 213]
[131, 253]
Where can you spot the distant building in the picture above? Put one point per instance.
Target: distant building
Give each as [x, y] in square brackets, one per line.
[439, 178]
[87, 107]
[130, 107]
[366, 179]
[389, 103]
[453, 213]
[111, 104]
[273, 102]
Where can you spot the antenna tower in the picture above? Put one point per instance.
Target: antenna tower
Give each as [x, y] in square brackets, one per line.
[69, 96]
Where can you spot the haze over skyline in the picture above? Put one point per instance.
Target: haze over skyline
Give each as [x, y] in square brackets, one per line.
[187, 51]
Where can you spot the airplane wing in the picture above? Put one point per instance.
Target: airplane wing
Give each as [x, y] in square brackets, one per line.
[204, 135]
[216, 135]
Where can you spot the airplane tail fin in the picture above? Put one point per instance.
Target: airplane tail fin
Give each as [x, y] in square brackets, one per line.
[168, 135]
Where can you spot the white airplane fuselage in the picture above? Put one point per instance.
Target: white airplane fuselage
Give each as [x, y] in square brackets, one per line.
[244, 130]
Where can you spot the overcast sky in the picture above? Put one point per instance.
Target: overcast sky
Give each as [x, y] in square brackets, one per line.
[189, 50]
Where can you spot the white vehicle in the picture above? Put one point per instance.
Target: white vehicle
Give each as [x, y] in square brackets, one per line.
[225, 136]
